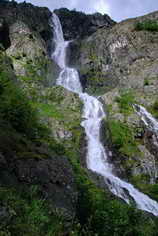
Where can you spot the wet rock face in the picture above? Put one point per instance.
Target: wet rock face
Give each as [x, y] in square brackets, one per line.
[79, 25]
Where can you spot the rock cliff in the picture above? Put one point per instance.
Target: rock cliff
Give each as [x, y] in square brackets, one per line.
[121, 56]
[79, 25]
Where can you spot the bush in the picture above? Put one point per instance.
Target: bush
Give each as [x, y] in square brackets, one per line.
[101, 214]
[149, 25]
[154, 109]
[146, 82]
[28, 214]
[15, 107]
[122, 138]
[125, 102]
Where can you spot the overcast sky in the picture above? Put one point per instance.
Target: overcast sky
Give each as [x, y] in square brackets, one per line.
[116, 9]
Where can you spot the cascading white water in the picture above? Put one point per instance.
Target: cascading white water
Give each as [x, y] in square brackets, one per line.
[152, 124]
[93, 114]
[68, 77]
[147, 118]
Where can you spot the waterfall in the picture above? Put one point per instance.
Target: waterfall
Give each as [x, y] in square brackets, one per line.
[93, 113]
[147, 118]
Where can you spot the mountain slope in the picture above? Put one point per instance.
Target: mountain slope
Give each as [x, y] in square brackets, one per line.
[45, 188]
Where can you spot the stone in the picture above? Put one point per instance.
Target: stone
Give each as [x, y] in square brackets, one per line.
[124, 58]
[79, 25]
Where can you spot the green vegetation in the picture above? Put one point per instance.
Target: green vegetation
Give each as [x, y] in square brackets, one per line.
[141, 181]
[101, 214]
[125, 101]
[149, 25]
[98, 214]
[122, 138]
[27, 214]
[48, 110]
[16, 108]
[154, 109]
[146, 82]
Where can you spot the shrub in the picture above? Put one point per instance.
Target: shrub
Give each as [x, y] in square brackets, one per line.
[146, 82]
[15, 107]
[99, 213]
[125, 102]
[122, 137]
[149, 25]
[154, 109]
[29, 214]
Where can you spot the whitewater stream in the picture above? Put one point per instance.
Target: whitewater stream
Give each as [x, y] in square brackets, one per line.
[147, 118]
[93, 113]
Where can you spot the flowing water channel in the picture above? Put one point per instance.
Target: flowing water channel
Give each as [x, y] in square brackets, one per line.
[147, 118]
[93, 113]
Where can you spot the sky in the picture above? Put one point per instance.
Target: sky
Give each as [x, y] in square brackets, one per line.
[117, 9]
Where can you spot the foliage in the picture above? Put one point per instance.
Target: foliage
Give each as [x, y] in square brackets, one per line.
[16, 108]
[122, 137]
[141, 181]
[101, 214]
[149, 25]
[146, 82]
[125, 101]
[154, 109]
[48, 110]
[28, 214]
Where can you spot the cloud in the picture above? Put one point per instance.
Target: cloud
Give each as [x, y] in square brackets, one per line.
[102, 6]
[117, 9]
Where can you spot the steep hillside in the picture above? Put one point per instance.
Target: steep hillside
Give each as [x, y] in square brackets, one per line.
[45, 187]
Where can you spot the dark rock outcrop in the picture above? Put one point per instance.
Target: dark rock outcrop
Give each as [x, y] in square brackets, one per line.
[79, 25]
[4, 34]
[36, 18]
[28, 40]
